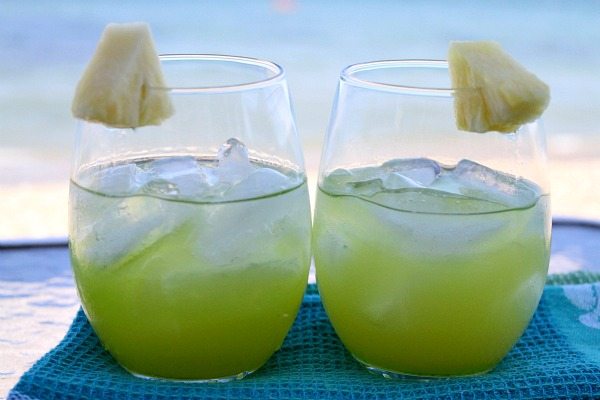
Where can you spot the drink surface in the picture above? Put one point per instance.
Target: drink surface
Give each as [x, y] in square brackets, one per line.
[430, 270]
[190, 268]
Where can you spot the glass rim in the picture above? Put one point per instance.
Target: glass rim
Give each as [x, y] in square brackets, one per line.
[348, 75]
[277, 70]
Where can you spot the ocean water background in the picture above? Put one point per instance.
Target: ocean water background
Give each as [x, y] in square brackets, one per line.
[45, 45]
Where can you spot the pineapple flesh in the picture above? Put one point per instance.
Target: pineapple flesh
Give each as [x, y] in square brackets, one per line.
[123, 85]
[493, 92]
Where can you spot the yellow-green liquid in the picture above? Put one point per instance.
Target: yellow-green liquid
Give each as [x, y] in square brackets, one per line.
[429, 293]
[185, 290]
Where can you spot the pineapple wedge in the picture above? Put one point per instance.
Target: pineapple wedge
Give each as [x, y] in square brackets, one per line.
[493, 91]
[115, 88]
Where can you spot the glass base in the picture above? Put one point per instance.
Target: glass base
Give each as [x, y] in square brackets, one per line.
[412, 376]
[224, 379]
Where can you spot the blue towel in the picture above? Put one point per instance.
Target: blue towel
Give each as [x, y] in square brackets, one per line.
[557, 357]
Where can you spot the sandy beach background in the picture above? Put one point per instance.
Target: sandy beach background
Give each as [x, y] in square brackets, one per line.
[44, 47]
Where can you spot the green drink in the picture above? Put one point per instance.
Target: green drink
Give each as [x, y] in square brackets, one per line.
[190, 251]
[190, 268]
[430, 270]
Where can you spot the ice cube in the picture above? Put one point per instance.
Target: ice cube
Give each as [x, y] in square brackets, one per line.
[260, 182]
[337, 181]
[397, 180]
[171, 167]
[233, 158]
[116, 180]
[414, 172]
[233, 167]
[478, 181]
[391, 175]
[181, 177]
[232, 152]
[366, 188]
[196, 184]
[254, 233]
[161, 187]
[340, 175]
[364, 174]
[115, 229]
[364, 181]
[166, 175]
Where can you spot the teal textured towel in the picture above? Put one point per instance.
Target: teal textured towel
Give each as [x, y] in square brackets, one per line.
[557, 357]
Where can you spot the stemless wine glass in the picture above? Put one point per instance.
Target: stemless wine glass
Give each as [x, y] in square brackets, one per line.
[190, 241]
[431, 244]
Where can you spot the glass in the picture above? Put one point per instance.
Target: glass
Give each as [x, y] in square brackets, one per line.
[431, 244]
[190, 241]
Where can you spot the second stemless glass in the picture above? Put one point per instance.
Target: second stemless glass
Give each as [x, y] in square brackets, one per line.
[190, 241]
[431, 244]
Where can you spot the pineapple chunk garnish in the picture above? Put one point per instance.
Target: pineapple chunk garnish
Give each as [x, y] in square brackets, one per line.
[493, 92]
[123, 85]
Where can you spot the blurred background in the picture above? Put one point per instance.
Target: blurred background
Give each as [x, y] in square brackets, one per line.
[45, 45]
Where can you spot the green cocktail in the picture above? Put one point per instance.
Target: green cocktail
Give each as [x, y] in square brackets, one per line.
[426, 270]
[190, 251]
[188, 269]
